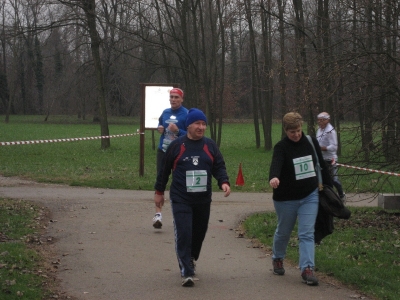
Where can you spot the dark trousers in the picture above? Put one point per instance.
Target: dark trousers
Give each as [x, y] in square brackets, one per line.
[190, 224]
[333, 170]
[160, 156]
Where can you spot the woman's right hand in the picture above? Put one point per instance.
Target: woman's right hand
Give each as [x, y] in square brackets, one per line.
[274, 182]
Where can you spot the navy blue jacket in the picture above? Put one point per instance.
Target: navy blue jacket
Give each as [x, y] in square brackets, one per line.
[184, 155]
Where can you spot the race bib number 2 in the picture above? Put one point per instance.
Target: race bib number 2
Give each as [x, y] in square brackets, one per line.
[196, 181]
[304, 167]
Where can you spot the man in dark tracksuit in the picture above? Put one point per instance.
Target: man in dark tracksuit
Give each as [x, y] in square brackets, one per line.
[193, 160]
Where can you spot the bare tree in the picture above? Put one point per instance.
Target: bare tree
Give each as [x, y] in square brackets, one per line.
[339, 56]
[89, 8]
[4, 91]
[282, 61]
[267, 86]
[255, 88]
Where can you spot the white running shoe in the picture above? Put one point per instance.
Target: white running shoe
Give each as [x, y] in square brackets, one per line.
[157, 221]
[187, 281]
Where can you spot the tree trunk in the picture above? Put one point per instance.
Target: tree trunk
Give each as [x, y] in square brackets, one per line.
[267, 92]
[221, 78]
[282, 61]
[254, 73]
[90, 12]
[300, 28]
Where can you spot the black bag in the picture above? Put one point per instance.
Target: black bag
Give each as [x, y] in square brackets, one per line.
[332, 204]
[323, 225]
[329, 200]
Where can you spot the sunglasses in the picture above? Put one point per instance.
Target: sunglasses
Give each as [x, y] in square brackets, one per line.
[173, 97]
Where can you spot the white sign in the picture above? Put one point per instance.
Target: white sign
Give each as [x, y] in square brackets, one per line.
[156, 100]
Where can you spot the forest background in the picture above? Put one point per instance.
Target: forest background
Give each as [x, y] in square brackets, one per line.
[238, 59]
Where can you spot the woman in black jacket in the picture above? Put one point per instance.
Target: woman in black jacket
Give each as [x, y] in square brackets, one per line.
[295, 193]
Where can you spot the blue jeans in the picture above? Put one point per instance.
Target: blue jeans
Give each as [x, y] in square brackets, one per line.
[305, 211]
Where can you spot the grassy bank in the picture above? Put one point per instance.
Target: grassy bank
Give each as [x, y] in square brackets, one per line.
[363, 252]
[23, 271]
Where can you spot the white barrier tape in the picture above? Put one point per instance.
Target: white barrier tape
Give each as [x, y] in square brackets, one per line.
[370, 170]
[132, 134]
[66, 140]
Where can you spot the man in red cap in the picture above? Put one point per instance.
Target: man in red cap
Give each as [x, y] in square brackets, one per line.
[171, 125]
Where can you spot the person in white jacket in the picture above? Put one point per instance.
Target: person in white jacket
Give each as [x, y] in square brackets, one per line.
[327, 139]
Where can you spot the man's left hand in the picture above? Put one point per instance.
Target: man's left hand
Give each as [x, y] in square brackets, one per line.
[226, 188]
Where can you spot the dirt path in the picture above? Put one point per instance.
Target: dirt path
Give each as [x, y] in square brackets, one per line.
[106, 247]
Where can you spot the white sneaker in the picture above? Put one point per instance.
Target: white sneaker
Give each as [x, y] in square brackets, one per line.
[157, 221]
[187, 281]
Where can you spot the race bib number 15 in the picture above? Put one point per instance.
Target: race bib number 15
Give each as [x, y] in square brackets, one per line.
[304, 167]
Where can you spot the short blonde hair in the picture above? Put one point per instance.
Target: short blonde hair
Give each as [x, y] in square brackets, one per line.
[292, 120]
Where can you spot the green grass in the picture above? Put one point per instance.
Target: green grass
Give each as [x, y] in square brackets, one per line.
[20, 264]
[363, 252]
[84, 163]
